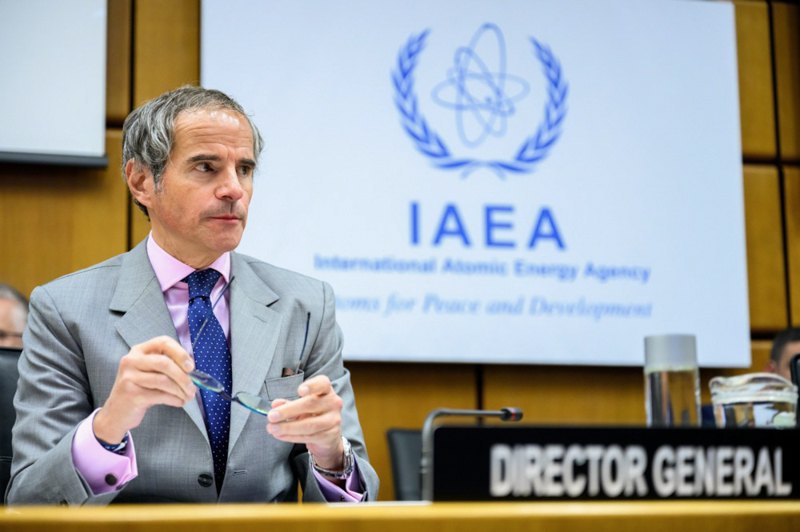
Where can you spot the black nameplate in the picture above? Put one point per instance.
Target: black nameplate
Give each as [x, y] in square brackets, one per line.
[557, 463]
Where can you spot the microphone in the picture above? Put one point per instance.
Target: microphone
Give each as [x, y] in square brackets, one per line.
[511, 413]
[508, 413]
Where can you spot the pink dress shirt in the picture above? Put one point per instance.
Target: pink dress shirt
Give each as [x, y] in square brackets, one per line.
[105, 471]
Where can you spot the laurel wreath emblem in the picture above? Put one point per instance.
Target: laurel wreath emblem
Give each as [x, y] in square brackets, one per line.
[535, 148]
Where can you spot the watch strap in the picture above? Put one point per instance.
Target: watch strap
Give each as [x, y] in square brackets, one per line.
[348, 464]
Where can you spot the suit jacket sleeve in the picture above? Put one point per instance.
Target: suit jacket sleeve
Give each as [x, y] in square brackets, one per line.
[325, 358]
[52, 398]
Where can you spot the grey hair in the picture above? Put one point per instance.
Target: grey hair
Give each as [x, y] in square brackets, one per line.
[21, 313]
[148, 133]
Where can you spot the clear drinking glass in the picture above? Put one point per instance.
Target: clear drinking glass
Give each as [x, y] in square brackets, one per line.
[672, 381]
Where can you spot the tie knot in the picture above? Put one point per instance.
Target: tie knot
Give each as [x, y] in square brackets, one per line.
[201, 282]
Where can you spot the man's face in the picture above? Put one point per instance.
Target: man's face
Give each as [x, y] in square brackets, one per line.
[12, 322]
[199, 210]
[789, 350]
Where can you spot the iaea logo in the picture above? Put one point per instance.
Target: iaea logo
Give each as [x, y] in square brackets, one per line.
[483, 97]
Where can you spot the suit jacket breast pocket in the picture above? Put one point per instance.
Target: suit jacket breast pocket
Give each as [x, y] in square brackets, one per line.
[284, 387]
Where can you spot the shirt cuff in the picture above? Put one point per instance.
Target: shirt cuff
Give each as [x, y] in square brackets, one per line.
[104, 471]
[352, 492]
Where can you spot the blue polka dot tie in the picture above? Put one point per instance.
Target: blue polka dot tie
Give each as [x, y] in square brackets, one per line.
[212, 356]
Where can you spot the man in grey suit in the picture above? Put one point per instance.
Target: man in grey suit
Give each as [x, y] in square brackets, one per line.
[106, 408]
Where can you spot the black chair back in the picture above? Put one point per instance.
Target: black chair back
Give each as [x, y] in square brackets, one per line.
[8, 386]
[405, 450]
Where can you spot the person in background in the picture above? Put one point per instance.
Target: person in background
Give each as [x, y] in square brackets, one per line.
[13, 315]
[106, 407]
[785, 345]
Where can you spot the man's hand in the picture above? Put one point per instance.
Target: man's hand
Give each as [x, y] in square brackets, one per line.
[152, 373]
[314, 419]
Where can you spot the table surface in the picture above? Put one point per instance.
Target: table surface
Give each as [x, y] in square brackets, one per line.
[646, 516]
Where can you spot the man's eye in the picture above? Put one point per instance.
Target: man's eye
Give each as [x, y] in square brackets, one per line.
[204, 167]
[246, 170]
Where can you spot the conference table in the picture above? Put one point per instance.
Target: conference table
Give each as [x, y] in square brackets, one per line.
[616, 516]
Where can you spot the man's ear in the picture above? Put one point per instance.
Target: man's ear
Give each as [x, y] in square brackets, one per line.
[771, 367]
[140, 182]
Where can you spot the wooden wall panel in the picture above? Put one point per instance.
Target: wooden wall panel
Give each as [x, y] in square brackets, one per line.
[562, 394]
[765, 260]
[118, 61]
[786, 24]
[755, 80]
[57, 220]
[167, 46]
[791, 179]
[400, 396]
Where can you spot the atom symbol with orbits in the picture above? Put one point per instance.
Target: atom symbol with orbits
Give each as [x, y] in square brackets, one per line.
[482, 97]
[489, 96]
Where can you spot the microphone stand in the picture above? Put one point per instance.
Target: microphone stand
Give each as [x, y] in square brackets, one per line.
[426, 463]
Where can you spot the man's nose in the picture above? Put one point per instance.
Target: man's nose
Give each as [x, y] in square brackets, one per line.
[230, 188]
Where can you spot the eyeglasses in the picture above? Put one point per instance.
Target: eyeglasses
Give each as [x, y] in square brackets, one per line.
[203, 380]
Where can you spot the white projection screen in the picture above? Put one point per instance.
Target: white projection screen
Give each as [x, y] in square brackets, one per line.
[526, 182]
[53, 89]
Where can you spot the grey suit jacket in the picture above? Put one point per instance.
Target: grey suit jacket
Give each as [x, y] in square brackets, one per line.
[82, 324]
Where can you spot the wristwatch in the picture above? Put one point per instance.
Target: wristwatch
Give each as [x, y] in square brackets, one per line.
[347, 467]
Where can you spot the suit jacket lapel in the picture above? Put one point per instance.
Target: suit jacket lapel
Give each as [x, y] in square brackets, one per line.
[138, 295]
[254, 326]
[254, 335]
